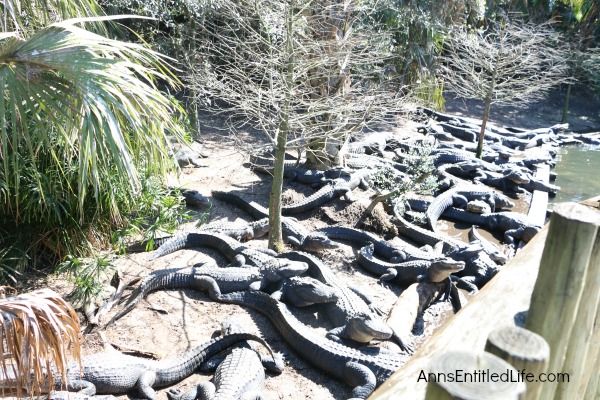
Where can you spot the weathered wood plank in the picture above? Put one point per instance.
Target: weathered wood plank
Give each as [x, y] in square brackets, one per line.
[501, 302]
[539, 200]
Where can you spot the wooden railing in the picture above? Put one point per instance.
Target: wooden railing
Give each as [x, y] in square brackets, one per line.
[557, 288]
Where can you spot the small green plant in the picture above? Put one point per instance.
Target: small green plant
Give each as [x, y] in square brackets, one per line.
[86, 274]
[161, 210]
[419, 169]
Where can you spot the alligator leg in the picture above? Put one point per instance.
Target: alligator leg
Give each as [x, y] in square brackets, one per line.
[294, 242]
[204, 390]
[82, 387]
[239, 261]
[208, 284]
[144, 385]
[361, 377]
[368, 299]
[466, 283]
[389, 275]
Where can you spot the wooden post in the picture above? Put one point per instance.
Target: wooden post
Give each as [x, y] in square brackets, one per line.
[593, 388]
[526, 351]
[461, 375]
[560, 284]
[587, 332]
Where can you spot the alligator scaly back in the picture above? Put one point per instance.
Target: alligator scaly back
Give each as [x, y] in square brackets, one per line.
[363, 369]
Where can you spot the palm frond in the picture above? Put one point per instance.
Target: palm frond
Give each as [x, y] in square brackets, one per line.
[38, 331]
[27, 16]
[85, 98]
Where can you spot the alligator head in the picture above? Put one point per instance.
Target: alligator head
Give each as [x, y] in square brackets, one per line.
[502, 201]
[305, 291]
[317, 241]
[260, 227]
[284, 268]
[464, 253]
[478, 207]
[441, 269]
[517, 177]
[365, 328]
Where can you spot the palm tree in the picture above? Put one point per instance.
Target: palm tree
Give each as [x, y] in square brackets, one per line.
[81, 122]
[85, 98]
[39, 329]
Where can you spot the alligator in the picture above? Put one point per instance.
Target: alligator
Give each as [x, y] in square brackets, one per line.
[230, 248]
[452, 213]
[363, 369]
[304, 291]
[448, 156]
[478, 207]
[239, 375]
[479, 269]
[293, 232]
[490, 248]
[306, 176]
[514, 225]
[464, 193]
[510, 179]
[424, 236]
[246, 231]
[112, 372]
[193, 198]
[200, 277]
[375, 143]
[446, 180]
[392, 251]
[339, 187]
[353, 314]
[537, 184]
[409, 272]
[66, 395]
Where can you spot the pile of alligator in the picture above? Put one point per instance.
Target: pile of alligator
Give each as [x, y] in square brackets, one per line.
[365, 346]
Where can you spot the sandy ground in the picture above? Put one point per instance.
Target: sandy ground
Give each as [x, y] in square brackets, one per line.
[170, 322]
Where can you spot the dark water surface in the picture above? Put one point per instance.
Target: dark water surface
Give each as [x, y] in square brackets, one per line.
[578, 170]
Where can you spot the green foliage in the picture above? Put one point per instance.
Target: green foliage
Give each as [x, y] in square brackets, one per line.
[419, 169]
[83, 128]
[158, 210]
[86, 275]
[175, 26]
[26, 17]
[418, 30]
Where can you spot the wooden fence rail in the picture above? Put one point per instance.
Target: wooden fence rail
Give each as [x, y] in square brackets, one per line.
[563, 309]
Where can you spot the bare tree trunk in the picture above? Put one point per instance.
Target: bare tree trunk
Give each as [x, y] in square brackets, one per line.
[566, 107]
[275, 235]
[486, 114]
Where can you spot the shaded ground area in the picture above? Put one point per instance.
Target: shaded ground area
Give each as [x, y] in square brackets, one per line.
[584, 111]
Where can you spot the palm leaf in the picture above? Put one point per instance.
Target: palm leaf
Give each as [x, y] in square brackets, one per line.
[95, 98]
[27, 16]
[38, 330]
